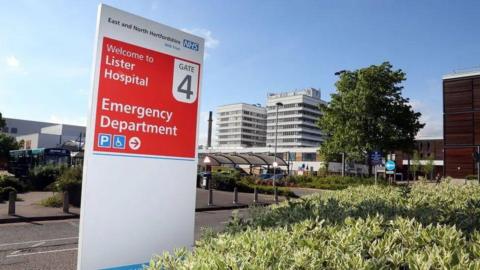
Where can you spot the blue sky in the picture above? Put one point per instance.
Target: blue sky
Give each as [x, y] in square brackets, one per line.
[253, 47]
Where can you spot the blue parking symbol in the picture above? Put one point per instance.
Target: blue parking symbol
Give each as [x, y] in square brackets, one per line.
[104, 140]
[119, 141]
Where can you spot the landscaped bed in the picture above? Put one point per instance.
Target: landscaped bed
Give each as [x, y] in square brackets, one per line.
[364, 227]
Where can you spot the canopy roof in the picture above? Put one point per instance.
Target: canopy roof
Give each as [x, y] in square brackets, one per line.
[218, 159]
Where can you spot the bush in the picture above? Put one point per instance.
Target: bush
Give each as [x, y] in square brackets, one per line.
[11, 181]
[71, 180]
[363, 227]
[54, 201]
[330, 182]
[471, 177]
[42, 176]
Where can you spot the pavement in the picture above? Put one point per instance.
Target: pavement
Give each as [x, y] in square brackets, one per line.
[28, 208]
[52, 245]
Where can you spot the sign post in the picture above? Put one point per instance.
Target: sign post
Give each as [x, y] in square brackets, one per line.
[138, 196]
[376, 159]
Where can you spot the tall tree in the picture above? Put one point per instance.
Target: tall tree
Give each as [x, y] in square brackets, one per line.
[2, 122]
[368, 112]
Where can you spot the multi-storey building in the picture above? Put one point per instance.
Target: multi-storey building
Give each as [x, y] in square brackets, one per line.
[461, 116]
[241, 125]
[298, 117]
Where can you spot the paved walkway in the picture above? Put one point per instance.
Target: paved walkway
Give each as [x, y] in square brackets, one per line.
[29, 208]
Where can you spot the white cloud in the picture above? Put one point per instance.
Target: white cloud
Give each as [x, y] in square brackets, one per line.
[12, 62]
[432, 118]
[210, 41]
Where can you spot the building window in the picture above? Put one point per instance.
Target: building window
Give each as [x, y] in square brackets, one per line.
[309, 156]
[5, 129]
[13, 130]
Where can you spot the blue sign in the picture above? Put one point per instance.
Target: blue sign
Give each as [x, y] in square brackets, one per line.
[119, 141]
[104, 140]
[376, 157]
[390, 165]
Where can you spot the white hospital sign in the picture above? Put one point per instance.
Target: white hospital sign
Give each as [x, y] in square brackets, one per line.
[138, 196]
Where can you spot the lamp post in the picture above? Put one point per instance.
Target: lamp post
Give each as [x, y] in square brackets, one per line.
[207, 161]
[275, 164]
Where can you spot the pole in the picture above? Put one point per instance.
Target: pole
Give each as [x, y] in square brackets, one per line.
[343, 164]
[275, 154]
[66, 202]
[209, 138]
[12, 197]
[235, 195]
[478, 165]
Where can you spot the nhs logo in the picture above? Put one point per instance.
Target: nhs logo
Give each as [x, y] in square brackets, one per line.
[191, 45]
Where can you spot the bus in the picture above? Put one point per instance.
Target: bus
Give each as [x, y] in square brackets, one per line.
[21, 161]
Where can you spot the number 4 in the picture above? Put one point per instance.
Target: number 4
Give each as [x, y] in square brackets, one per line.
[187, 91]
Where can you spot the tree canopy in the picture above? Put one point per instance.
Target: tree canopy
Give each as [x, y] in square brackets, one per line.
[368, 112]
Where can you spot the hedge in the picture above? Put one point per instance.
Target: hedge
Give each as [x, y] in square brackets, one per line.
[364, 227]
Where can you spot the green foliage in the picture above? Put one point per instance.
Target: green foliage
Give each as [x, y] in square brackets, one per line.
[428, 167]
[2, 121]
[53, 201]
[333, 182]
[70, 180]
[228, 181]
[471, 177]
[7, 143]
[364, 227]
[10, 181]
[368, 112]
[415, 164]
[42, 176]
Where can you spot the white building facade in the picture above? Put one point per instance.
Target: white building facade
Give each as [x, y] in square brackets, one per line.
[297, 118]
[241, 125]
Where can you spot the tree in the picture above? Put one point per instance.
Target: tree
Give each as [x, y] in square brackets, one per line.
[368, 113]
[7, 143]
[415, 166]
[428, 168]
[2, 122]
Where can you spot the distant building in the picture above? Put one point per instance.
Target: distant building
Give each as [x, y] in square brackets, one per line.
[297, 118]
[461, 128]
[427, 148]
[37, 134]
[241, 125]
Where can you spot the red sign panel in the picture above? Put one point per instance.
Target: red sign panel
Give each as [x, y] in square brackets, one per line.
[147, 102]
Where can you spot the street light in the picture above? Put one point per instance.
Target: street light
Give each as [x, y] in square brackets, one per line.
[275, 164]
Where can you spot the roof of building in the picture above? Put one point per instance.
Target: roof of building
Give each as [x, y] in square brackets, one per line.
[462, 73]
[218, 159]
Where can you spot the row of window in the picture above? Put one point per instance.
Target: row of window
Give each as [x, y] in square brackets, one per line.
[293, 133]
[304, 112]
[292, 126]
[292, 119]
[12, 130]
[294, 105]
[238, 112]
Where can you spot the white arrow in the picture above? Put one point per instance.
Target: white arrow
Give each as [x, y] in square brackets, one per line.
[134, 143]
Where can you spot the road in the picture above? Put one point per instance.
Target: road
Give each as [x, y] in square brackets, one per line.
[53, 244]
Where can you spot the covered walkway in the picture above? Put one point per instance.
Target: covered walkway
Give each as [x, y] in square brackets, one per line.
[234, 159]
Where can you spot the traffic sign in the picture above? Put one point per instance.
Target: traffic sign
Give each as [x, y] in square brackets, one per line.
[376, 158]
[140, 153]
[390, 165]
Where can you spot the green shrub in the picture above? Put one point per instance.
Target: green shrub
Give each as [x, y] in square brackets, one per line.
[42, 176]
[363, 227]
[333, 182]
[471, 177]
[70, 180]
[53, 201]
[11, 181]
